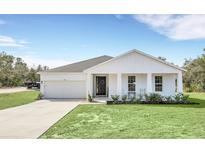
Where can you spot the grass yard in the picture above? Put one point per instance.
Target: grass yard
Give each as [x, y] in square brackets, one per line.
[133, 121]
[16, 99]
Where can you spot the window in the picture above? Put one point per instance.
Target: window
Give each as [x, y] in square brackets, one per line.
[131, 86]
[158, 83]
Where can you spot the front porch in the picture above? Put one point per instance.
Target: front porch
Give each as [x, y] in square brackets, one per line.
[102, 86]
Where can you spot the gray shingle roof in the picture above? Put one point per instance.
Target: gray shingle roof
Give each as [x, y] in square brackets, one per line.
[81, 66]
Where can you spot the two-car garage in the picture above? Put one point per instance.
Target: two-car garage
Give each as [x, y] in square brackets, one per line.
[63, 85]
[65, 89]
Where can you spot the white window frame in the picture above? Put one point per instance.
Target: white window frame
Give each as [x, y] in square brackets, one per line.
[131, 93]
[157, 84]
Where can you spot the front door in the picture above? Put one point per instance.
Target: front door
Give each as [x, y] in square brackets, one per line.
[100, 85]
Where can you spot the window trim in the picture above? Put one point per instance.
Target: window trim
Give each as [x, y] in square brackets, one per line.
[133, 83]
[158, 84]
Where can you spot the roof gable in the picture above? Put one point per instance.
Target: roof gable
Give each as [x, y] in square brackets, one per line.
[143, 55]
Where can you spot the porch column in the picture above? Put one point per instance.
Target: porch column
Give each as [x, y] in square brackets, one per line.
[179, 83]
[149, 82]
[89, 89]
[119, 84]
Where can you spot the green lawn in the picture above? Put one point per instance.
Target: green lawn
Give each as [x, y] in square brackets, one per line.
[16, 99]
[133, 121]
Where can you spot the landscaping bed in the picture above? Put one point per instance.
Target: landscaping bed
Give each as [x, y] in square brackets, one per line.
[152, 98]
[165, 103]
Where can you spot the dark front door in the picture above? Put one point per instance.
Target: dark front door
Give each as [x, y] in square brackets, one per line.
[100, 85]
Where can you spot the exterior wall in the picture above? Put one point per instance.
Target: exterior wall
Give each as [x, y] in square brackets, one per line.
[62, 76]
[168, 84]
[141, 84]
[112, 84]
[133, 63]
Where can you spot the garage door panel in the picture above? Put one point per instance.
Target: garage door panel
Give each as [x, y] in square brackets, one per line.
[65, 89]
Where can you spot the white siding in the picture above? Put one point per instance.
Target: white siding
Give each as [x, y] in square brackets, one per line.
[112, 84]
[168, 85]
[62, 76]
[134, 63]
[141, 83]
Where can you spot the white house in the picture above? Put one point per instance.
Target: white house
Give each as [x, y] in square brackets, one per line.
[131, 73]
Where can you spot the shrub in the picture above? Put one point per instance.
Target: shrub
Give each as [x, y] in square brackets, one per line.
[90, 99]
[137, 100]
[115, 98]
[146, 97]
[177, 97]
[185, 98]
[181, 98]
[132, 99]
[169, 99]
[124, 98]
[154, 98]
[40, 96]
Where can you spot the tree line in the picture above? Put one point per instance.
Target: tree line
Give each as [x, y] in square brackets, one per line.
[15, 72]
[194, 77]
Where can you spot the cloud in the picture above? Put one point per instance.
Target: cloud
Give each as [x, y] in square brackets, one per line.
[118, 16]
[2, 22]
[8, 41]
[33, 61]
[176, 27]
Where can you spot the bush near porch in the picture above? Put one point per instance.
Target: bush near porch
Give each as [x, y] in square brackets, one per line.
[152, 98]
[133, 121]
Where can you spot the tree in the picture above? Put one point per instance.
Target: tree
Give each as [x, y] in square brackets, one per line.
[20, 71]
[15, 72]
[6, 69]
[194, 77]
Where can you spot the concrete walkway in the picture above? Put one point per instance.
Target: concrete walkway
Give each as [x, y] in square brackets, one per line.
[32, 120]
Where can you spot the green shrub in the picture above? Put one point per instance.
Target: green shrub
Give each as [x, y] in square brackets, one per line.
[185, 98]
[40, 96]
[181, 98]
[154, 98]
[169, 99]
[124, 98]
[132, 99]
[90, 99]
[146, 97]
[115, 98]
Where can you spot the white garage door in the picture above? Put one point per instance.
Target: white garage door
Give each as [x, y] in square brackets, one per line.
[65, 89]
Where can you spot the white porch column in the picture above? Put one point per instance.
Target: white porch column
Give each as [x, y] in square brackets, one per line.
[119, 84]
[149, 82]
[179, 83]
[89, 85]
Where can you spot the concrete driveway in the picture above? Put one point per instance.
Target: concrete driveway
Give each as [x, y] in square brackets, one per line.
[32, 120]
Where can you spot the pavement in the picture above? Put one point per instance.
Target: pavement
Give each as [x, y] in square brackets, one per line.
[32, 120]
[13, 90]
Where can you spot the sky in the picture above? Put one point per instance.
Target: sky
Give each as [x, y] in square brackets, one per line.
[55, 40]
